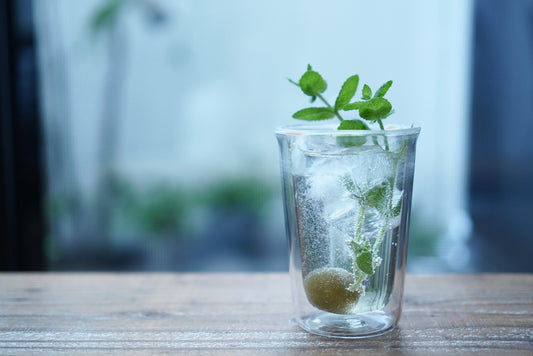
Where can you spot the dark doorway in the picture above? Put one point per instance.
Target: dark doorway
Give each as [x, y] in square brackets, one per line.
[21, 212]
[501, 171]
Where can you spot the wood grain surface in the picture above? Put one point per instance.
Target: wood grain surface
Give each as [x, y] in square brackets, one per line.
[233, 314]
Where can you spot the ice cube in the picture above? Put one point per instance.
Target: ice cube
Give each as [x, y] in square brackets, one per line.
[344, 218]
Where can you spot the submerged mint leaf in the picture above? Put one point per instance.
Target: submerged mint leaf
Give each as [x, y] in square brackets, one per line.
[378, 197]
[352, 125]
[348, 183]
[374, 109]
[351, 141]
[312, 83]
[313, 114]
[364, 262]
[397, 208]
[347, 91]
[360, 246]
[380, 93]
[367, 92]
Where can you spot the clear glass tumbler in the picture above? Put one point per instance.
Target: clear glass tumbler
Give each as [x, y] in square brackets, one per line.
[347, 201]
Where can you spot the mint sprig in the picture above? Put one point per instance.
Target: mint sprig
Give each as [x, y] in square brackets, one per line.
[378, 197]
[372, 109]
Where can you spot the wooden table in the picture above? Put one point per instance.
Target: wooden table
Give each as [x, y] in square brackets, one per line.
[232, 314]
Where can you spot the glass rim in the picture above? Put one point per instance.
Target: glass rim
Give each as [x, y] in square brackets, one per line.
[329, 129]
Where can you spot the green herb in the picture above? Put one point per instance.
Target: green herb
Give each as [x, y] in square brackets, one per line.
[379, 197]
[367, 92]
[371, 109]
[364, 262]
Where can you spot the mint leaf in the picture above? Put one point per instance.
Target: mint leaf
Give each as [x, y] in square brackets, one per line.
[367, 92]
[312, 83]
[365, 257]
[347, 91]
[378, 197]
[397, 208]
[389, 114]
[352, 106]
[313, 114]
[374, 109]
[360, 246]
[380, 93]
[364, 262]
[348, 183]
[351, 141]
[352, 125]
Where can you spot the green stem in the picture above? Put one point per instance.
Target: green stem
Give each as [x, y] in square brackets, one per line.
[359, 276]
[359, 223]
[358, 282]
[386, 218]
[335, 111]
[385, 137]
[381, 234]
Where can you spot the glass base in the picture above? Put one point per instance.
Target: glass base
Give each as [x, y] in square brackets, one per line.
[355, 326]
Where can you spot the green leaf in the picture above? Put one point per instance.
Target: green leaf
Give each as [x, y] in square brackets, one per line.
[367, 92]
[347, 91]
[353, 125]
[105, 16]
[348, 183]
[351, 141]
[360, 246]
[389, 114]
[352, 106]
[364, 262]
[397, 208]
[376, 108]
[312, 83]
[313, 114]
[380, 93]
[378, 197]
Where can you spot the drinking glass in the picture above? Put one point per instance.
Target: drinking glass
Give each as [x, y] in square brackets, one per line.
[347, 201]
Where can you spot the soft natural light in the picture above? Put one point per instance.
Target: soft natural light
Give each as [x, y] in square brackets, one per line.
[198, 94]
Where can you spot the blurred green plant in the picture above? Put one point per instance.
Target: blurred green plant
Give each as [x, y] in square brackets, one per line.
[106, 15]
[246, 193]
[164, 210]
[423, 238]
[107, 23]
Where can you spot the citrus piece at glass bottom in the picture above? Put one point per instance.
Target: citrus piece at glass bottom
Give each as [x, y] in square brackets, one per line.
[327, 289]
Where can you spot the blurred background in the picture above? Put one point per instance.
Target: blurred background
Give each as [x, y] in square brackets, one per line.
[138, 134]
